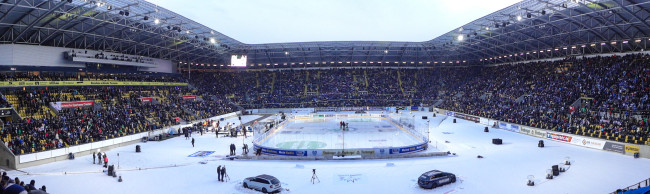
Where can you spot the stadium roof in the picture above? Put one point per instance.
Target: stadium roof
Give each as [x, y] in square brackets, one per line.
[125, 26]
[529, 30]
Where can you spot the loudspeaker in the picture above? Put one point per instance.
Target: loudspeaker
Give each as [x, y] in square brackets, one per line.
[137, 148]
[540, 144]
[555, 167]
[454, 120]
[110, 170]
[556, 172]
[424, 117]
[636, 155]
[486, 130]
[497, 141]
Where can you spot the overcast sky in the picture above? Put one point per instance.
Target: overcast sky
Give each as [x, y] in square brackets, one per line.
[276, 21]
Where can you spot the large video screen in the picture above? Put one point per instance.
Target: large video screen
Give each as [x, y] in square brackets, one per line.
[238, 61]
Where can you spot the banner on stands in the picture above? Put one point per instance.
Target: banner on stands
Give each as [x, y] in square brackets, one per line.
[62, 105]
[325, 109]
[449, 113]
[533, 132]
[352, 108]
[283, 152]
[189, 97]
[467, 117]
[409, 149]
[302, 110]
[632, 149]
[484, 121]
[559, 137]
[614, 147]
[509, 127]
[146, 99]
[588, 142]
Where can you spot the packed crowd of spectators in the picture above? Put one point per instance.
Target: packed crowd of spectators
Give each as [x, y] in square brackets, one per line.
[119, 111]
[607, 95]
[16, 186]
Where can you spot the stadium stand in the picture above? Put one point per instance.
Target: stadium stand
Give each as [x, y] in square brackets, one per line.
[604, 97]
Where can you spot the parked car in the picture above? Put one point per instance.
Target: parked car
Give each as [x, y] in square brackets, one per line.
[264, 183]
[435, 178]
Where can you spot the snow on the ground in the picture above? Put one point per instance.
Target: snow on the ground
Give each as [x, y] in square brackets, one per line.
[164, 167]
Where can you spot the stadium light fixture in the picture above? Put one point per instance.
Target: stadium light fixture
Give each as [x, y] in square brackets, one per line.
[460, 37]
[385, 51]
[286, 53]
[487, 28]
[613, 43]
[637, 41]
[573, 47]
[212, 40]
[518, 18]
[625, 42]
[156, 21]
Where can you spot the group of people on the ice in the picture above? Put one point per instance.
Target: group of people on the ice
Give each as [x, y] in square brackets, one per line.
[100, 157]
[221, 173]
[344, 126]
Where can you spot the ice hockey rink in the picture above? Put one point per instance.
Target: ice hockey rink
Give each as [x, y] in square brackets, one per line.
[326, 133]
[166, 167]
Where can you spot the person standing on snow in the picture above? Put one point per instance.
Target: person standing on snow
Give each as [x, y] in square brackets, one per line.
[219, 175]
[105, 160]
[192, 142]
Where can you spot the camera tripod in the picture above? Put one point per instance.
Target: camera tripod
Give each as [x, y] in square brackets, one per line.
[226, 178]
[314, 178]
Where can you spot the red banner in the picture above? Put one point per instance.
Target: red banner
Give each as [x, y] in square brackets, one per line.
[189, 97]
[146, 99]
[77, 104]
[559, 137]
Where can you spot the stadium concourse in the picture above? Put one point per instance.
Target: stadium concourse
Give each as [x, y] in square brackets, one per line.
[167, 167]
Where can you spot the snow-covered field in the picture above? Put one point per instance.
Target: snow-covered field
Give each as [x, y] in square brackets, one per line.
[164, 167]
[321, 133]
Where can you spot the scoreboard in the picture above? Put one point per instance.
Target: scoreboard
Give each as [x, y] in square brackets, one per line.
[238, 60]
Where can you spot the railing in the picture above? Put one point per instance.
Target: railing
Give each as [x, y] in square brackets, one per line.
[644, 183]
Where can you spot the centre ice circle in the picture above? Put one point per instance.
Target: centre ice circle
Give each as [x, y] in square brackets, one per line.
[323, 135]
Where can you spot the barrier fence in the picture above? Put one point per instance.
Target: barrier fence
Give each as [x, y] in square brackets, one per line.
[644, 183]
[579, 140]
